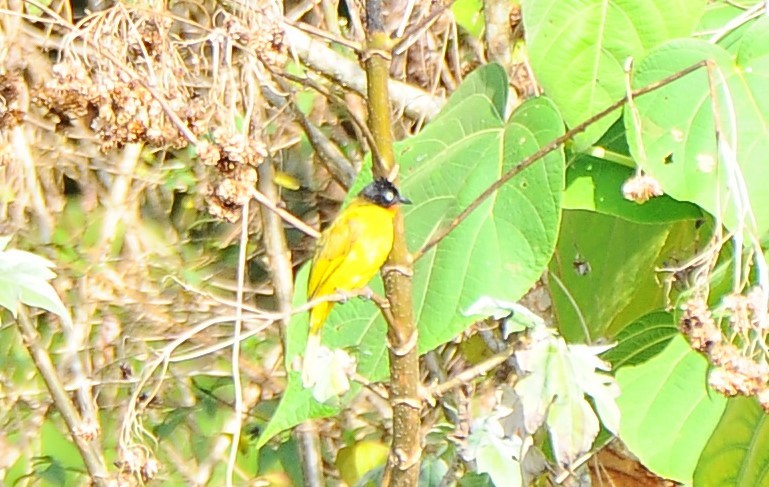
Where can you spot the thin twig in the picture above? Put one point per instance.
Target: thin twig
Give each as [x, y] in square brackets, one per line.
[410, 37]
[296, 222]
[359, 124]
[347, 73]
[237, 420]
[548, 148]
[468, 375]
[330, 156]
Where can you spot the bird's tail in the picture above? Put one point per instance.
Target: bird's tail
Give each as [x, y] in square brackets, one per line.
[309, 367]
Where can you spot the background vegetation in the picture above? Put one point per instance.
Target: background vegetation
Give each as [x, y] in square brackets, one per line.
[589, 284]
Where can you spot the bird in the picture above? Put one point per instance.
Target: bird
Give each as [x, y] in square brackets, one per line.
[349, 253]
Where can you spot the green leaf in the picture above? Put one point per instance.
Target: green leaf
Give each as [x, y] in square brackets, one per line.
[431, 472]
[668, 413]
[502, 248]
[678, 128]
[495, 454]
[487, 86]
[604, 273]
[296, 406]
[469, 15]
[24, 280]
[642, 340]
[738, 451]
[720, 17]
[578, 49]
[596, 185]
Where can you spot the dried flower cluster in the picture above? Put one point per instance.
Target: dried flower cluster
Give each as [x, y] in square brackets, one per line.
[11, 114]
[137, 462]
[263, 35]
[235, 158]
[738, 369]
[117, 107]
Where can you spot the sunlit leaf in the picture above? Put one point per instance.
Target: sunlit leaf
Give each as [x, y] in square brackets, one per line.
[494, 453]
[738, 451]
[559, 377]
[356, 460]
[678, 143]
[591, 40]
[24, 280]
[668, 412]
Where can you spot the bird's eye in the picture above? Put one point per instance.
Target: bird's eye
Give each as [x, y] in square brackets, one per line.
[388, 196]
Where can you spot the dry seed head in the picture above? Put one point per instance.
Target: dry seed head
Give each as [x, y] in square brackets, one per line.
[641, 188]
[740, 312]
[230, 193]
[698, 325]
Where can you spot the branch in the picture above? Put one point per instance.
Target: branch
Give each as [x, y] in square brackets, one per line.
[329, 154]
[237, 419]
[417, 104]
[94, 464]
[550, 147]
[406, 448]
[279, 255]
[473, 372]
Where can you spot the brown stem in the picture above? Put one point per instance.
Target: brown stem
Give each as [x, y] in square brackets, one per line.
[550, 147]
[328, 153]
[405, 450]
[274, 239]
[468, 375]
[94, 464]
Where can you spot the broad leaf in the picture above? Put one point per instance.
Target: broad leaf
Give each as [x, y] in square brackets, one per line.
[668, 413]
[642, 340]
[494, 453]
[678, 131]
[738, 451]
[596, 184]
[604, 273]
[578, 49]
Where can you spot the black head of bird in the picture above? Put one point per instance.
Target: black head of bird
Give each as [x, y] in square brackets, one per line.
[383, 193]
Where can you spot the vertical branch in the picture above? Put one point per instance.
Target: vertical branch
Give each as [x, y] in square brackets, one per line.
[499, 34]
[405, 451]
[279, 256]
[237, 423]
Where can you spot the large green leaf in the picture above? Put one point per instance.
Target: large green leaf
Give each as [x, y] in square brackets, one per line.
[499, 251]
[668, 413]
[738, 452]
[678, 131]
[578, 48]
[603, 275]
[596, 184]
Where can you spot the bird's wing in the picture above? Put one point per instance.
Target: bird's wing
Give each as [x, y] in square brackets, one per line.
[333, 249]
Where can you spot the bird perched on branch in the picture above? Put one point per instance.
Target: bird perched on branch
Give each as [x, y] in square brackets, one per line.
[349, 253]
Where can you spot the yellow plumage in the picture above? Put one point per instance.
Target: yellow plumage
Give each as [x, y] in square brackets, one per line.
[349, 253]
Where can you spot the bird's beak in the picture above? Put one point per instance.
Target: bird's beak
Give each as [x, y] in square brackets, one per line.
[404, 201]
